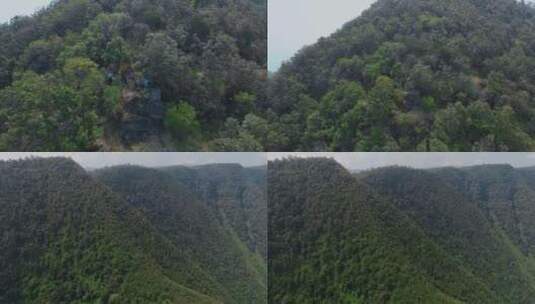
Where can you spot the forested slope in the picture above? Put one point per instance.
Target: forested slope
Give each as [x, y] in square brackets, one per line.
[74, 237]
[236, 194]
[412, 75]
[504, 194]
[391, 235]
[213, 246]
[458, 223]
[130, 75]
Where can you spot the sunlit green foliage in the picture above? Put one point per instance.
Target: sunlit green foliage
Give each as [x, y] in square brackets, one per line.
[48, 113]
[181, 120]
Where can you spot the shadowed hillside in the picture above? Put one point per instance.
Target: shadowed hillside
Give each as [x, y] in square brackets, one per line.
[392, 235]
[119, 235]
[236, 194]
[188, 221]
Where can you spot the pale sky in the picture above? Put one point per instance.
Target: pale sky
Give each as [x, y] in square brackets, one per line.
[350, 160]
[363, 161]
[294, 24]
[100, 160]
[10, 8]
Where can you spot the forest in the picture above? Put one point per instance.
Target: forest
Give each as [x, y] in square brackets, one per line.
[411, 75]
[131, 234]
[190, 75]
[400, 235]
[121, 75]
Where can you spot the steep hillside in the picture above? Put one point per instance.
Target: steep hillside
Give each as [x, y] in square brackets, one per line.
[130, 75]
[407, 75]
[333, 240]
[504, 194]
[391, 235]
[236, 194]
[211, 247]
[459, 225]
[69, 238]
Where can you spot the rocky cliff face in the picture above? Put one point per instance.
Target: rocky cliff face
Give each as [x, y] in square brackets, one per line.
[143, 114]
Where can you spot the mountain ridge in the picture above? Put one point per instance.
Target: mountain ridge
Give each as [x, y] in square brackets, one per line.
[402, 226]
[83, 240]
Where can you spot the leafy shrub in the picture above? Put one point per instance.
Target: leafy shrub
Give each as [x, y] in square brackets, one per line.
[181, 121]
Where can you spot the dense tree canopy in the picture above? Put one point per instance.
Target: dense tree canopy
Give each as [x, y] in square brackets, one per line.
[130, 235]
[102, 75]
[412, 75]
[399, 235]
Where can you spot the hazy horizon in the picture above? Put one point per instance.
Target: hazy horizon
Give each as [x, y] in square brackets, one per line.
[364, 161]
[149, 159]
[295, 24]
[351, 160]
